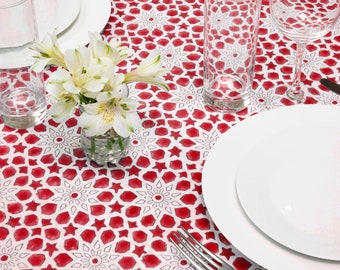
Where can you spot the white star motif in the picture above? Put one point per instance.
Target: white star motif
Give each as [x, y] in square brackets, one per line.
[158, 198]
[75, 195]
[60, 139]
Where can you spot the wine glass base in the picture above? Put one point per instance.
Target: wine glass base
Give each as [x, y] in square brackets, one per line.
[297, 97]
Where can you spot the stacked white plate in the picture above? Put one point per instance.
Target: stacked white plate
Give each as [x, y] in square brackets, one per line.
[73, 20]
[272, 186]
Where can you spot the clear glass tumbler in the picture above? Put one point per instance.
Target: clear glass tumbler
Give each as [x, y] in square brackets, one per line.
[230, 38]
[22, 93]
[18, 30]
[22, 97]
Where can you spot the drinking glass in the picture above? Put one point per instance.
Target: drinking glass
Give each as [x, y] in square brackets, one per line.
[22, 92]
[303, 21]
[230, 39]
[18, 29]
[22, 97]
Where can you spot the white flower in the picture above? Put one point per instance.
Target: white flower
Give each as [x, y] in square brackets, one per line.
[49, 53]
[86, 73]
[63, 109]
[113, 86]
[64, 94]
[112, 50]
[60, 81]
[119, 113]
[87, 77]
[149, 71]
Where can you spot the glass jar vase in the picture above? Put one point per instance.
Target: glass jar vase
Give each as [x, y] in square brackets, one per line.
[106, 148]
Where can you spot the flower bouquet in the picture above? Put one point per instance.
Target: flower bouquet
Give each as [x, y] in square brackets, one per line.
[88, 78]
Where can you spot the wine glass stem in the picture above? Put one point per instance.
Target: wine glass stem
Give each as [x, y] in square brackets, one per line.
[295, 91]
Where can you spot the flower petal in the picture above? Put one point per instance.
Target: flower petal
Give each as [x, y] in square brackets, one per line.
[77, 59]
[91, 108]
[40, 64]
[94, 85]
[62, 110]
[93, 124]
[127, 123]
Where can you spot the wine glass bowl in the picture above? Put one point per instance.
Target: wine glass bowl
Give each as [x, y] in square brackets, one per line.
[303, 21]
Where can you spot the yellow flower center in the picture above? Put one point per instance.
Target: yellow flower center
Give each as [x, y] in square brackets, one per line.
[106, 110]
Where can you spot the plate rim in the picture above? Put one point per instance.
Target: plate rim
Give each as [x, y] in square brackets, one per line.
[76, 4]
[253, 189]
[17, 57]
[76, 34]
[72, 36]
[231, 225]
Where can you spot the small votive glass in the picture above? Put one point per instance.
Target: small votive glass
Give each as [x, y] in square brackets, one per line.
[22, 97]
[230, 39]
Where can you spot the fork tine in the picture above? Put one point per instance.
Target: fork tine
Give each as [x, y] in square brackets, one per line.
[195, 253]
[182, 251]
[198, 254]
[203, 248]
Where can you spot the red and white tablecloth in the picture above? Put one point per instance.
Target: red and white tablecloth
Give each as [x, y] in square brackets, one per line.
[58, 211]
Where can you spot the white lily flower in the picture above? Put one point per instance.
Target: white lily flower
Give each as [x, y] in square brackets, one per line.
[64, 95]
[127, 123]
[86, 73]
[78, 59]
[63, 109]
[49, 53]
[87, 77]
[149, 71]
[115, 85]
[61, 81]
[119, 113]
[123, 51]
[111, 50]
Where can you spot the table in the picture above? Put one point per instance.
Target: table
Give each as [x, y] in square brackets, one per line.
[59, 211]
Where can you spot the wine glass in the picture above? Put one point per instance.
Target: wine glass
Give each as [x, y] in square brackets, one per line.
[303, 21]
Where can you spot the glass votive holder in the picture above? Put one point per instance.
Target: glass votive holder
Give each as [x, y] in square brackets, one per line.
[22, 97]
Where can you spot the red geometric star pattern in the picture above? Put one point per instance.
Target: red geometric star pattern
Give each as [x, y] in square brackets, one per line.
[60, 211]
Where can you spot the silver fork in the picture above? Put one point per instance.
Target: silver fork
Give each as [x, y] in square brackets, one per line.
[199, 256]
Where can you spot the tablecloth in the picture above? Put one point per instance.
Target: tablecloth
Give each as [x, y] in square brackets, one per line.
[59, 211]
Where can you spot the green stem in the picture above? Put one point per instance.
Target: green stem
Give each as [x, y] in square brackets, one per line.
[110, 142]
[93, 144]
[120, 143]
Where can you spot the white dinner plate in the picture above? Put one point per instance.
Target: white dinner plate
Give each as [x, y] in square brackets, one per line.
[53, 14]
[289, 186]
[93, 17]
[74, 22]
[219, 184]
[50, 15]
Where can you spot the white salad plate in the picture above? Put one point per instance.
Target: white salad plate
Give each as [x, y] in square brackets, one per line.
[289, 186]
[225, 165]
[73, 20]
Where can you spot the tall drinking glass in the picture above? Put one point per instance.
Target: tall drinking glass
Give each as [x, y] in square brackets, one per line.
[303, 21]
[230, 38]
[17, 31]
[22, 93]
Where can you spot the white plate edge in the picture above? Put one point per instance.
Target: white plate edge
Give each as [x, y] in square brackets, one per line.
[252, 207]
[241, 231]
[76, 34]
